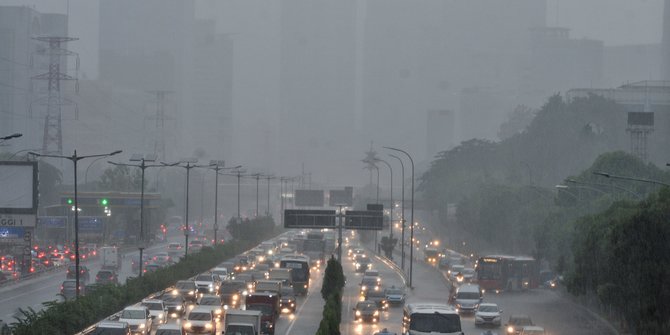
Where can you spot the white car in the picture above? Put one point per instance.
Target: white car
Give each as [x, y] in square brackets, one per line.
[138, 318]
[221, 272]
[395, 296]
[157, 310]
[200, 320]
[488, 314]
[207, 283]
[212, 302]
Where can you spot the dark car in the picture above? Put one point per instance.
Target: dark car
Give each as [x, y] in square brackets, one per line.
[187, 289]
[231, 293]
[175, 304]
[84, 274]
[366, 311]
[378, 296]
[363, 264]
[288, 301]
[69, 289]
[106, 277]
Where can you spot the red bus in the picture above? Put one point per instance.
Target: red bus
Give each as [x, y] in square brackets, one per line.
[507, 273]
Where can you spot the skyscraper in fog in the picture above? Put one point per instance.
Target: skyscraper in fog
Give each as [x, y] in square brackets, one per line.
[666, 40]
[18, 26]
[318, 50]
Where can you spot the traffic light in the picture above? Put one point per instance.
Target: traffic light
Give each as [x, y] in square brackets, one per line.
[104, 202]
[70, 201]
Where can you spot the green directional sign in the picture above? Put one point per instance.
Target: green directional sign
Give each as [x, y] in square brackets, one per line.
[364, 220]
[305, 218]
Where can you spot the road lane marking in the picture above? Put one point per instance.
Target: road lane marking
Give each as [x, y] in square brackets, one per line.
[297, 314]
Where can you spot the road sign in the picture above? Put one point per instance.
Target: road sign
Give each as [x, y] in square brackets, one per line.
[375, 207]
[364, 220]
[341, 197]
[17, 220]
[52, 221]
[309, 198]
[26, 236]
[306, 218]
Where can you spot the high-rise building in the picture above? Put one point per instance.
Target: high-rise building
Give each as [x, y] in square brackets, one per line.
[18, 26]
[318, 62]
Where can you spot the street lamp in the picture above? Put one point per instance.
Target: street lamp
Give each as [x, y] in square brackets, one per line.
[402, 212]
[9, 137]
[88, 167]
[74, 159]
[217, 166]
[190, 164]
[649, 181]
[268, 177]
[411, 230]
[574, 181]
[391, 171]
[143, 160]
[257, 176]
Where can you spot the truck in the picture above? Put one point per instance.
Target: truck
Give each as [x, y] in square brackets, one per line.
[281, 274]
[271, 286]
[314, 247]
[111, 258]
[268, 304]
[245, 322]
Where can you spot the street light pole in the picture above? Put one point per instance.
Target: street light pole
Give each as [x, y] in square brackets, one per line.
[217, 166]
[143, 166]
[411, 229]
[268, 178]
[190, 164]
[392, 205]
[402, 212]
[649, 181]
[74, 159]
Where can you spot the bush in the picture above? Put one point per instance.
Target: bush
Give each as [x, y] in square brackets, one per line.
[333, 282]
[73, 316]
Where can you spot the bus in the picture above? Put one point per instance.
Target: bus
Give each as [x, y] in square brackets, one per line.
[299, 265]
[507, 273]
[431, 255]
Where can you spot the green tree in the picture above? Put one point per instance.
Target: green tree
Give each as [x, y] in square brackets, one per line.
[121, 178]
[333, 278]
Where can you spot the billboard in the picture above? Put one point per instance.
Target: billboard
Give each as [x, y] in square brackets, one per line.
[309, 198]
[645, 119]
[18, 187]
[341, 197]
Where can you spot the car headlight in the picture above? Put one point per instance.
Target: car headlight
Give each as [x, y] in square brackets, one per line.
[208, 326]
[179, 308]
[358, 313]
[173, 315]
[218, 311]
[376, 313]
[510, 329]
[235, 297]
[142, 325]
[191, 292]
[160, 316]
[187, 325]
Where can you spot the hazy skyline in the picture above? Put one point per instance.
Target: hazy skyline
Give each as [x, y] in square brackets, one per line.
[620, 22]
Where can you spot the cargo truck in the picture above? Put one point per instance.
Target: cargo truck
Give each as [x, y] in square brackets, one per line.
[281, 274]
[270, 286]
[268, 305]
[242, 322]
[111, 258]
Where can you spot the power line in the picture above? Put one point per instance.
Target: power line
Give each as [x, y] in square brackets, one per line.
[13, 61]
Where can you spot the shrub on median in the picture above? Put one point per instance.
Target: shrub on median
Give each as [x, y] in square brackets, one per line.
[331, 291]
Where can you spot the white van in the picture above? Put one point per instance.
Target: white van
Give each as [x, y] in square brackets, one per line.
[430, 318]
[468, 297]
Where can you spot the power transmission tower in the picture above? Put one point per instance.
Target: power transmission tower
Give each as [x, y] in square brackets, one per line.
[159, 141]
[52, 141]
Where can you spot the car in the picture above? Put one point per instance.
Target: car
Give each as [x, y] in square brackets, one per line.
[195, 246]
[68, 288]
[488, 314]
[111, 328]
[516, 322]
[139, 319]
[162, 258]
[207, 283]
[533, 330]
[468, 275]
[106, 276]
[157, 310]
[59, 259]
[151, 267]
[231, 293]
[84, 274]
[175, 249]
[371, 273]
[395, 296]
[200, 320]
[174, 303]
[366, 311]
[467, 298]
[170, 329]
[378, 296]
[384, 331]
[370, 283]
[221, 272]
[288, 301]
[187, 289]
[363, 264]
[213, 303]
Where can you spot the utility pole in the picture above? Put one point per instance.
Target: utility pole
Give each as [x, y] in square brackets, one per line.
[267, 213]
[52, 140]
[159, 117]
